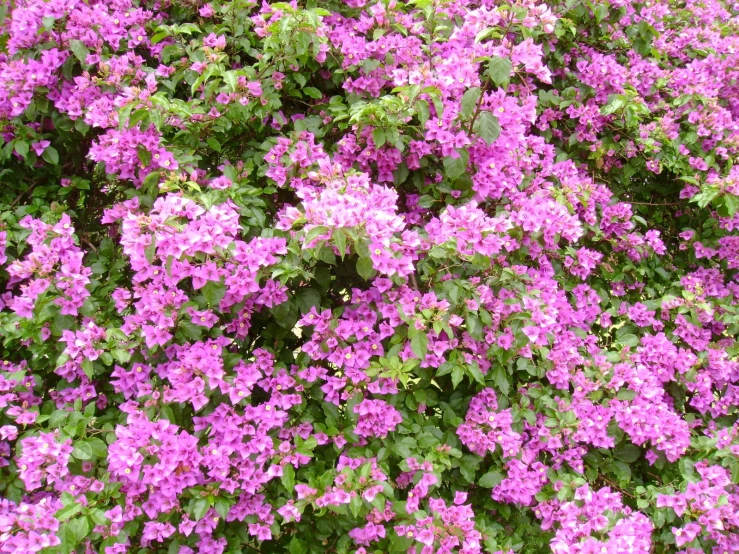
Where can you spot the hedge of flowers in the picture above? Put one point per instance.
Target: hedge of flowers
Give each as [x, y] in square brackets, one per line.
[369, 276]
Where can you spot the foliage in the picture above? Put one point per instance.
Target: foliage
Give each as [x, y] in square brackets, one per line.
[426, 276]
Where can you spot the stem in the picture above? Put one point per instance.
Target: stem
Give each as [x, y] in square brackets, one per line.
[478, 108]
[92, 247]
[487, 81]
[21, 195]
[657, 204]
[413, 281]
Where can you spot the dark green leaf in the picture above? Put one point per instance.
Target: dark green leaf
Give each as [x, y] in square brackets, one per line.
[50, 155]
[307, 299]
[378, 137]
[213, 292]
[419, 344]
[469, 101]
[454, 167]
[627, 452]
[98, 446]
[316, 231]
[490, 479]
[201, 508]
[82, 451]
[499, 70]
[21, 147]
[487, 126]
[473, 370]
[68, 511]
[79, 49]
[312, 92]
[213, 143]
[288, 477]
[339, 236]
[365, 269]
[457, 375]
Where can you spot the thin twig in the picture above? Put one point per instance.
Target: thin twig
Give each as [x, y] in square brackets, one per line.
[478, 109]
[92, 247]
[21, 195]
[615, 486]
[657, 204]
[413, 281]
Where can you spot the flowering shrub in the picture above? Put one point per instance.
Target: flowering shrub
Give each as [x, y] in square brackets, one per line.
[369, 276]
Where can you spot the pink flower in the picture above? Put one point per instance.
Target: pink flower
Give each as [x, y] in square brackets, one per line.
[40, 146]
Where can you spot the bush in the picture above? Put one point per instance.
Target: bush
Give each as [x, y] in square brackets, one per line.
[328, 277]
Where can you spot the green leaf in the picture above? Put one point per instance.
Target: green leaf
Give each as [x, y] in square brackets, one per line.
[313, 92]
[472, 322]
[222, 506]
[400, 543]
[468, 466]
[150, 180]
[627, 452]
[487, 126]
[419, 343]
[400, 174]
[499, 70]
[629, 340]
[378, 137]
[47, 22]
[339, 236]
[159, 37]
[300, 79]
[201, 508]
[501, 380]
[98, 517]
[490, 479]
[457, 375]
[79, 49]
[213, 292]
[144, 154]
[98, 446]
[473, 370]
[88, 368]
[622, 471]
[286, 314]
[427, 440]
[71, 534]
[625, 394]
[68, 511]
[316, 231]
[355, 505]
[50, 155]
[137, 117]
[687, 468]
[21, 147]
[307, 299]
[232, 79]
[615, 103]
[483, 34]
[403, 446]
[297, 546]
[150, 252]
[82, 451]
[732, 204]
[120, 355]
[454, 167]
[213, 143]
[469, 101]
[365, 268]
[288, 477]
[601, 12]
[167, 413]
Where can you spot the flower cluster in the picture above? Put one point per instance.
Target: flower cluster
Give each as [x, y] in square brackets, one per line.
[423, 277]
